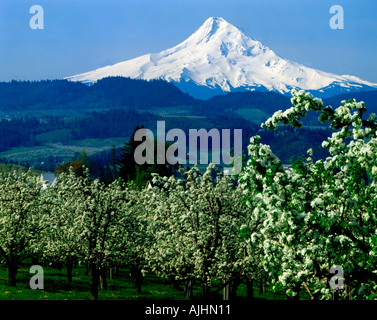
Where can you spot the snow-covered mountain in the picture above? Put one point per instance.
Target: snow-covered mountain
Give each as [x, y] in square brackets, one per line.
[219, 58]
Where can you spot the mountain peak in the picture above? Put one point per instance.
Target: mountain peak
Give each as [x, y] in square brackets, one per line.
[214, 20]
[215, 27]
[220, 56]
[213, 23]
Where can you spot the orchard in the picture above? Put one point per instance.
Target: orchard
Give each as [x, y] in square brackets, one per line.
[286, 228]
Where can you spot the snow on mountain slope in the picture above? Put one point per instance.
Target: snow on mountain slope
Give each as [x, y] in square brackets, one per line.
[219, 55]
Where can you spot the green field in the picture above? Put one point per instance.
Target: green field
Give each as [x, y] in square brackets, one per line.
[121, 287]
[64, 152]
[252, 115]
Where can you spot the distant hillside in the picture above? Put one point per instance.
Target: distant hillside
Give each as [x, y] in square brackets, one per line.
[119, 92]
[369, 97]
[257, 106]
[62, 98]
[106, 93]
[269, 102]
[113, 107]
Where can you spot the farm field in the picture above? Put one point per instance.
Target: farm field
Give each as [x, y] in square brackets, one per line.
[34, 155]
[121, 287]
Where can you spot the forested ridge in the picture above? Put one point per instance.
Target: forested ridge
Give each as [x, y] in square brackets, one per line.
[25, 132]
[122, 104]
[106, 93]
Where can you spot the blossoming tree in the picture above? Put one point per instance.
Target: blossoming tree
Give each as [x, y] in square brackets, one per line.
[84, 223]
[134, 235]
[20, 213]
[195, 226]
[322, 214]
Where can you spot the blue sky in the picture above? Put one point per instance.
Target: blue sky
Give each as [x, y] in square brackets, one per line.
[82, 35]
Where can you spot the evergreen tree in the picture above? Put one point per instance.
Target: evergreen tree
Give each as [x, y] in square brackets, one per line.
[127, 163]
[129, 170]
[113, 163]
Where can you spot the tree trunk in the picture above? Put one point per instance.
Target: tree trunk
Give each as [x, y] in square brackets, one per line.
[348, 292]
[138, 277]
[116, 271]
[336, 295]
[173, 283]
[34, 260]
[226, 294]
[233, 288]
[111, 274]
[87, 268]
[95, 281]
[261, 288]
[206, 291]
[189, 289]
[102, 279]
[12, 273]
[57, 265]
[296, 289]
[249, 288]
[69, 269]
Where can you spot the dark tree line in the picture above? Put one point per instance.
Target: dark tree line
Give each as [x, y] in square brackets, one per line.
[111, 123]
[116, 163]
[18, 132]
[106, 93]
[287, 142]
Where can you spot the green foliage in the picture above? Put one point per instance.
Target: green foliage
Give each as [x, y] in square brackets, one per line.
[281, 226]
[317, 214]
[196, 229]
[245, 232]
[20, 215]
[109, 93]
[299, 165]
[7, 168]
[129, 170]
[120, 287]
